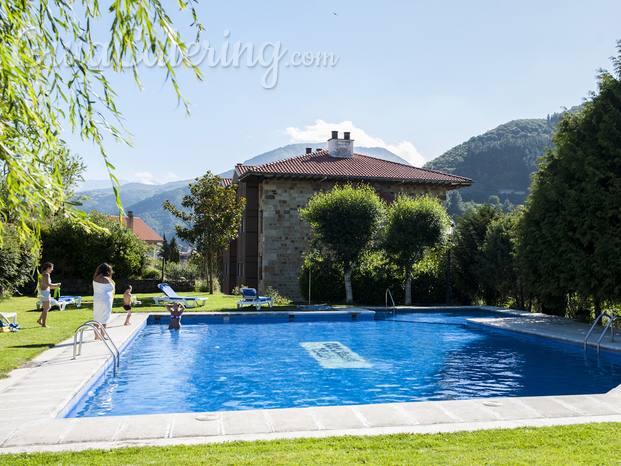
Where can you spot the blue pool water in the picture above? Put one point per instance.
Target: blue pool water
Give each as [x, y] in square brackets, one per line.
[412, 357]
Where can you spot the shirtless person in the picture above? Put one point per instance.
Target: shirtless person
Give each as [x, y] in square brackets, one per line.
[128, 300]
[46, 285]
[176, 309]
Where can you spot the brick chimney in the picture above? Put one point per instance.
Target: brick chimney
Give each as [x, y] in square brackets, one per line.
[130, 220]
[343, 148]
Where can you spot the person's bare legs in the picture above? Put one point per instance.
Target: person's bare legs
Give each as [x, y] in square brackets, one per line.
[102, 334]
[129, 314]
[43, 319]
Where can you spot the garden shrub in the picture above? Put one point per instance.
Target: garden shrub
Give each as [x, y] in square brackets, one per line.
[151, 274]
[372, 277]
[202, 286]
[326, 281]
[178, 271]
[273, 293]
[77, 251]
[17, 262]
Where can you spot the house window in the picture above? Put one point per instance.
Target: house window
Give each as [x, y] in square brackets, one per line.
[240, 269]
[260, 221]
[260, 268]
[226, 268]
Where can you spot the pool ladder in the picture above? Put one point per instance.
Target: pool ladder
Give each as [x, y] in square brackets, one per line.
[388, 293]
[98, 328]
[612, 330]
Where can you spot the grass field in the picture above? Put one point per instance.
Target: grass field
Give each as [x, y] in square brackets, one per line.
[17, 348]
[586, 444]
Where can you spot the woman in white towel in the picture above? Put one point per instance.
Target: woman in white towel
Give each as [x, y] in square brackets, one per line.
[103, 295]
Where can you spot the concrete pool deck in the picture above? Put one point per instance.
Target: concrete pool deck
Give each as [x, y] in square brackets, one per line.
[34, 395]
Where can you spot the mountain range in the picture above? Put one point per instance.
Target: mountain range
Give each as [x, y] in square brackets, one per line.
[145, 200]
[500, 162]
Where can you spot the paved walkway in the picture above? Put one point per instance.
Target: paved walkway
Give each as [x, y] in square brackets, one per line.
[33, 396]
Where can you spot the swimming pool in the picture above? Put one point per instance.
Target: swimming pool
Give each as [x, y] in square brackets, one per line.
[332, 360]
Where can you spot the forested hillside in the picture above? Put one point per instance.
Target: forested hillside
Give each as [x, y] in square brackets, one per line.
[145, 201]
[499, 160]
[151, 212]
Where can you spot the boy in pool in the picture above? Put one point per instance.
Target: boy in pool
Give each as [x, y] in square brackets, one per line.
[176, 309]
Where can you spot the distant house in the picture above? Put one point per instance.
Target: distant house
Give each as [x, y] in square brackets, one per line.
[272, 237]
[140, 229]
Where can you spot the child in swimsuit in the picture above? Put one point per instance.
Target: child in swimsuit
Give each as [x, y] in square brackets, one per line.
[176, 309]
[127, 302]
[46, 285]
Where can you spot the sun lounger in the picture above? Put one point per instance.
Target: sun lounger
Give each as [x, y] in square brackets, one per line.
[171, 296]
[61, 301]
[252, 298]
[9, 315]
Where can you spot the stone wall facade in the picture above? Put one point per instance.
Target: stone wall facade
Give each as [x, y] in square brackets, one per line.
[283, 236]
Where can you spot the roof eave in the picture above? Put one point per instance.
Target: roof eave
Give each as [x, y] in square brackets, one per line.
[454, 184]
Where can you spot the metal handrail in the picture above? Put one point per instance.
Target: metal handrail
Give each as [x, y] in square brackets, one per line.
[603, 314]
[612, 332]
[388, 293]
[97, 327]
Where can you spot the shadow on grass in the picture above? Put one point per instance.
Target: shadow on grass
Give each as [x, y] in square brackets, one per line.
[37, 346]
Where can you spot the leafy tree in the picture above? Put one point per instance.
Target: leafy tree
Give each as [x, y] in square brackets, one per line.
[345, 220]
[77, 250]
[16, 262]
[49, 75]
[412, 227]
[174, 256]
[496, 265]
[164, 253]
[213, 219]
[469, 237]
[454, 203]
[570, 241]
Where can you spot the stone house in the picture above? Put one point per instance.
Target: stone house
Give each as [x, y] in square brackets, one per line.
[140, 229]
[272, 238]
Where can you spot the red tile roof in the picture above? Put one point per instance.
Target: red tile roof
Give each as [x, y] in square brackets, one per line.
[226, 182]
[141, 229]
[320, 163]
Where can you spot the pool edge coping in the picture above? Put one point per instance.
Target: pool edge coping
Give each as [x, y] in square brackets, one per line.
[103, 360]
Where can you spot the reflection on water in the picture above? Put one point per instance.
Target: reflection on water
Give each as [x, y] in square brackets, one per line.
[413, 357]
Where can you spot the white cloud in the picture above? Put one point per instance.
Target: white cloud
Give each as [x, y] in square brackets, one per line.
[321, 131]
[150, 178]
[145, 177]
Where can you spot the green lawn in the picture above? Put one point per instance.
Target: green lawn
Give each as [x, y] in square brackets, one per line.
[20, 347]
[588, 444]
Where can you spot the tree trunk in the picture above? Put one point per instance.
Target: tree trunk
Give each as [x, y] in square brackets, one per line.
[349, 295]
[597, 307]
[408, 288]
[210, 259]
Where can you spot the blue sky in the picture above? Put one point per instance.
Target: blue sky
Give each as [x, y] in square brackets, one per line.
[415, 77]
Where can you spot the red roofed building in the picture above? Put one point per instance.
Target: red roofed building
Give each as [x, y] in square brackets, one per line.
[268, 251]
[140, 229]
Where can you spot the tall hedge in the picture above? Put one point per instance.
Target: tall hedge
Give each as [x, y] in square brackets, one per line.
[17, 262]
[77, 251]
